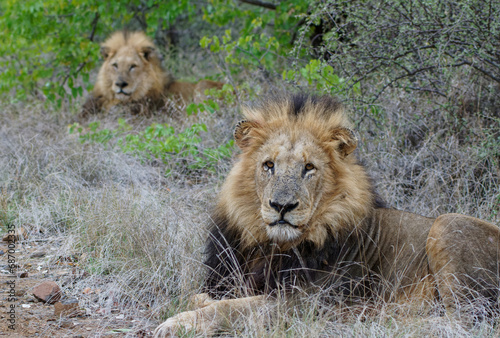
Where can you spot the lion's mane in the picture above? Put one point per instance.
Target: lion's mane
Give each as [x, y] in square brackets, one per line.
[239, 253]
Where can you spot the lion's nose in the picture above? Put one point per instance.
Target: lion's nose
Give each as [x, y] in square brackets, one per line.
[121, 84]
[283, 208]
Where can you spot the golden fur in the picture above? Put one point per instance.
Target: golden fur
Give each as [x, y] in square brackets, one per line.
[132, 75]
[297, 210]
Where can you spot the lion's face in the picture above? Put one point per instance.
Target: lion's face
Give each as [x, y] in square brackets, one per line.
[288, 180]
[127, 73]
[298, 169]
[131, 70]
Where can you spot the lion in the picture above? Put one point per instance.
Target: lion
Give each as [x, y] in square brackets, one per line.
[132, 75]
[297, 211]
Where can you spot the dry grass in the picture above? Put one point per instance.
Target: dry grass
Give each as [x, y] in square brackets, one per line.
[141, 233]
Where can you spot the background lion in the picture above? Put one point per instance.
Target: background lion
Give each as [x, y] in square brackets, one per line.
[132, 74]
[297, 210]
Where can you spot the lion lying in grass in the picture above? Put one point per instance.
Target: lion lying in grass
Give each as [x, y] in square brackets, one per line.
[297, 210]
[132, 75]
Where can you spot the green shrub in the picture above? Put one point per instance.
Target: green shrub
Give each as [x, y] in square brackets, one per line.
[412, 44]
[158, 142]
[49, 47]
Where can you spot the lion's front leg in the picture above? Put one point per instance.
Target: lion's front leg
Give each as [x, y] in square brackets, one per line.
[210, 318]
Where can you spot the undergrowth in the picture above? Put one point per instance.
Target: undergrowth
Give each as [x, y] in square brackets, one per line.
[158, 142]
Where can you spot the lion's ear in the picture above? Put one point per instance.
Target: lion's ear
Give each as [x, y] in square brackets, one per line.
[105, 52]
[148, 53]
[242, 131]
[347, 140]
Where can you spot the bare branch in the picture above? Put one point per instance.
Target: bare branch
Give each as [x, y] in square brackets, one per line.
[260, 4]
[94, 26]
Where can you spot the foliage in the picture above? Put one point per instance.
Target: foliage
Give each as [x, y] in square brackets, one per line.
[48, 47]
[410, 43]
[267, 41]
[490, 145]
[414, 44]
[39, 54]
[255, 18]
[321, 76]
[210, 105]
[158, 142]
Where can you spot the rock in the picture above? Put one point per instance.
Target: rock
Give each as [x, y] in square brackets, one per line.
[20, 293]
[23, 274]
[18, 234]
[67, 281]
[2, 252]
[48, 292]
[38, 254]
[66, 324]
[66, 307]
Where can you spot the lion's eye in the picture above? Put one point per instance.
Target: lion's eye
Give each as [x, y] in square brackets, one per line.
[114, 65]
[309, 166]
[132, 67]
[268, 165]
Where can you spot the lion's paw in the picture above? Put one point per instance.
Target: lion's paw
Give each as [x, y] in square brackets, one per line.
[183, 322]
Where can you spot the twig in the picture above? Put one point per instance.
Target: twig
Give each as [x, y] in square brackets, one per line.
[260, 4]
[94, 26]
[91, 38]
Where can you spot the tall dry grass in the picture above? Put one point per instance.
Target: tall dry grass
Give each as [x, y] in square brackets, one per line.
[140, 234]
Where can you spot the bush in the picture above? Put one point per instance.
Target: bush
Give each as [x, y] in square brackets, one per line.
[48, 47]
[158, 142]
[413, 44]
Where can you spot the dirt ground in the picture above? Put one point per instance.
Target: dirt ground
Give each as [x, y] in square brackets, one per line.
[34, 318]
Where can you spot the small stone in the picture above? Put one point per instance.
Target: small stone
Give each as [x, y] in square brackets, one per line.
[23, 274]
[2, 252]
[38, 254]
[67, 281]
[66, 307]
[20, 293]
[66, 323]
[48, 292]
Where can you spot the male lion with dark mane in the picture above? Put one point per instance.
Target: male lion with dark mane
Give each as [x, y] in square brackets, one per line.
[297, 211]
[132, 75]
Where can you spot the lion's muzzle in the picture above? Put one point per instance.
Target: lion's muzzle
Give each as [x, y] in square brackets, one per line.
[282, 218]
[282, 210]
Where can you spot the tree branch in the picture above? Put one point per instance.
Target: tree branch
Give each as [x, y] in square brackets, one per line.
[260, 4]
[94, 26]
[91, 38]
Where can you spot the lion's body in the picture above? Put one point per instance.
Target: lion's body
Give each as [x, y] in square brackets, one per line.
[132, 75]
[297, 210]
